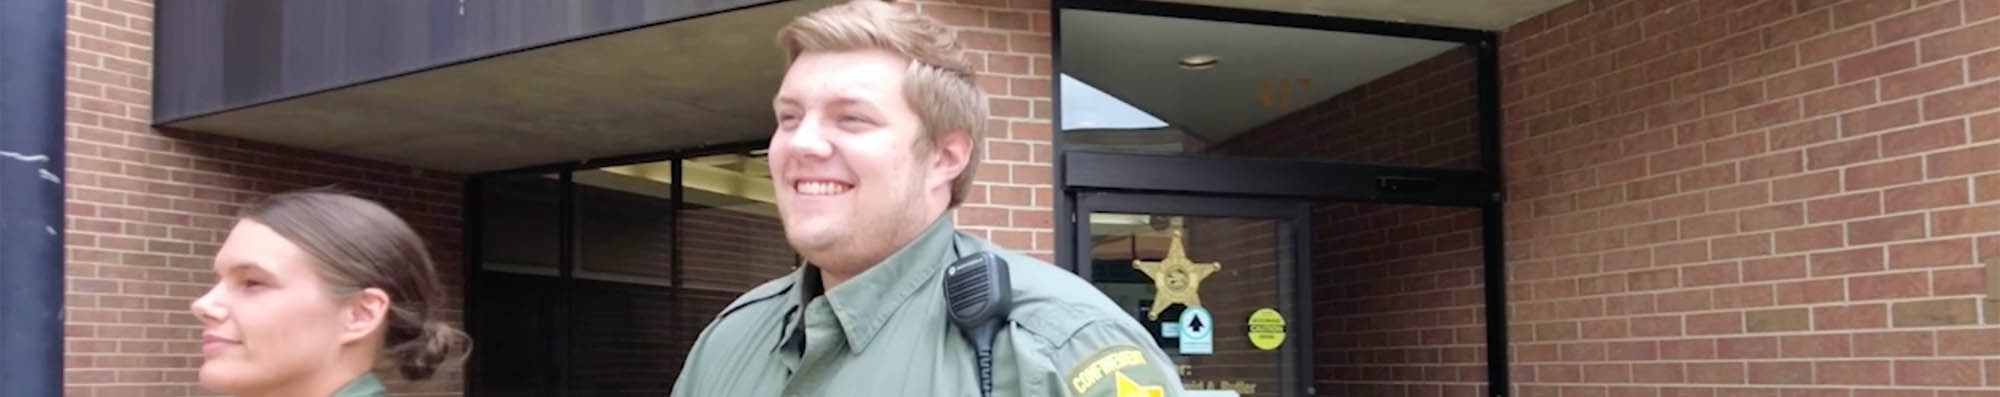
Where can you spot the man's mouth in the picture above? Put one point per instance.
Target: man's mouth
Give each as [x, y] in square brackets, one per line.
[820, 188]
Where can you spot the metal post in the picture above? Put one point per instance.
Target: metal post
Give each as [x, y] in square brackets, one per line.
[566, 283]
[31, 197]
[471, 230]
[1498, 373]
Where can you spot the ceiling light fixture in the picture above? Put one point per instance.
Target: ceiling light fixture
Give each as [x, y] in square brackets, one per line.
[1199, 61]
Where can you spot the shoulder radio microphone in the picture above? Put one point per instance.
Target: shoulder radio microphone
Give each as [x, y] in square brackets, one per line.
[978, 297]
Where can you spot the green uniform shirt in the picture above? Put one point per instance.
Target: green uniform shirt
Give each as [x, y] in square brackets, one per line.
[885, 333]
[365, 386]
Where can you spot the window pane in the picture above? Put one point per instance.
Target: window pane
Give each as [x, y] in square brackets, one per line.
[518, 217]
[632, 312]
[734, 238]
[624, 223]
[621, 295]
[1133, 258]
[516, 288]
[623, 343]
[730, 239]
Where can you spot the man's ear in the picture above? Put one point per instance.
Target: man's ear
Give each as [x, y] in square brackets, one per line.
[952, 153]
[365, 313]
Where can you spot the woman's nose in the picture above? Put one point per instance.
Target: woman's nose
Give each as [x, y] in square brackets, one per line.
[206, 308]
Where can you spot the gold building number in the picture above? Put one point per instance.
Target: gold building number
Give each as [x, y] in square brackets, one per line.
[1283, 93]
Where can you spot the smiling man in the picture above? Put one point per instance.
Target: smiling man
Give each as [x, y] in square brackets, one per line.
[879, 123]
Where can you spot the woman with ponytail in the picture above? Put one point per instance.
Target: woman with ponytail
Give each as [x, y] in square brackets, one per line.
[314, 292]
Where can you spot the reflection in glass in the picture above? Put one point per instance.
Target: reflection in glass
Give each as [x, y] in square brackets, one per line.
[633, 307]
[730, 239]
[621, 339]
[519, 255]
[624, 225]
[518, 216]
[733, 239]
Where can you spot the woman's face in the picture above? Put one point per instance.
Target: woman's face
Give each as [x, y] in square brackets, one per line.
[270, 320]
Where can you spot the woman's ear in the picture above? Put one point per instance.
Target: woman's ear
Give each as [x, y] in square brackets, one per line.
[365, 313]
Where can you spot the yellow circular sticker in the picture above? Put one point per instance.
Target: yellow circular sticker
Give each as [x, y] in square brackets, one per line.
[1267, 329]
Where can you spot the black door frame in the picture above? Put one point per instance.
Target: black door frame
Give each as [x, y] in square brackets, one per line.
[1084, 173]
[1294, 218]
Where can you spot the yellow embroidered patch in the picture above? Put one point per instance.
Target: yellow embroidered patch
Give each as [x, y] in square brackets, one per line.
[1105, 362]
[1128, 388]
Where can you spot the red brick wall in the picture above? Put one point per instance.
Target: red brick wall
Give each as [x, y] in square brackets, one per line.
[147, 209]
[1425, 114]
[1398, 300]
[1778, 197]
[1012, 199]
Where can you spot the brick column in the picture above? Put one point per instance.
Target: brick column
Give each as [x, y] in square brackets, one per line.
[1013, 194]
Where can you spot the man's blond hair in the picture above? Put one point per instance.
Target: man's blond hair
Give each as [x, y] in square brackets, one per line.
[939, 83]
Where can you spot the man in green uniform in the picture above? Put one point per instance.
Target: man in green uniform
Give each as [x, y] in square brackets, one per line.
[878, 128]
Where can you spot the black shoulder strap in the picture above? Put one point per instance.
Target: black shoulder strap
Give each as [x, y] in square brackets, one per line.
[959, 248]
[768, 291]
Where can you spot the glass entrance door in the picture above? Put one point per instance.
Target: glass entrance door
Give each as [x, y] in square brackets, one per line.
[1217, 281]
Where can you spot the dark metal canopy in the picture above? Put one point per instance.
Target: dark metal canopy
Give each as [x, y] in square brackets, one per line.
[472, 86]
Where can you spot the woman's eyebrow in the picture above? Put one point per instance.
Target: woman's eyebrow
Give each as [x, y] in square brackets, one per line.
[246, 267]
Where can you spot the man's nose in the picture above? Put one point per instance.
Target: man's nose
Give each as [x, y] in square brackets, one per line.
[809, 138]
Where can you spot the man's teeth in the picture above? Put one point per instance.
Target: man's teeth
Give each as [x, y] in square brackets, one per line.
[821, 188]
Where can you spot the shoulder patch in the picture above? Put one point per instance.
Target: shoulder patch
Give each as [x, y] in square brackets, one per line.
[1120, 371]
[771, 289]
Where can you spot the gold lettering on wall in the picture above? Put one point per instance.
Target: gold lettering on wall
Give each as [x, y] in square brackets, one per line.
[1241, 387]
[1283, 93]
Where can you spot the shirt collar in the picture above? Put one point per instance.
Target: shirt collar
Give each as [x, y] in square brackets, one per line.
[365, 386]
[864, 303]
